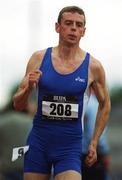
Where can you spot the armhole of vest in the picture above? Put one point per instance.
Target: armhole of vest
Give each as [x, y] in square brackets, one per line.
[87, 64]
[47, 52]
[88, 58]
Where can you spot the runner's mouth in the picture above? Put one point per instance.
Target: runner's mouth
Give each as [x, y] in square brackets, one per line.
[72, 36]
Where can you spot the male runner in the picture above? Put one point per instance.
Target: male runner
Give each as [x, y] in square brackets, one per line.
[64, 76]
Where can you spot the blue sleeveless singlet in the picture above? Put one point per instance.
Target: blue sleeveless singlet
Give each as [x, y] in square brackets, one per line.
[57, 125]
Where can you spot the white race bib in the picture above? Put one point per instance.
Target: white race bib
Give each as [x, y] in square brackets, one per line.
[60, 107]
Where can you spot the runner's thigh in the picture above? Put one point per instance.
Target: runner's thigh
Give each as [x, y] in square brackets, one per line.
[68, 175]
[36, 176]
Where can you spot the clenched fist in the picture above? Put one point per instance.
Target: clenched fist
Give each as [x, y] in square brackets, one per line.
[33, 78]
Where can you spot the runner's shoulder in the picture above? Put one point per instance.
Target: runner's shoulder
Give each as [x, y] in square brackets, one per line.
[38, 55]
[35, 60]
[95, 64]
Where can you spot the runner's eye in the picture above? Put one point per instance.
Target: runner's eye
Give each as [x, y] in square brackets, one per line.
[79, 24]
[68, 22]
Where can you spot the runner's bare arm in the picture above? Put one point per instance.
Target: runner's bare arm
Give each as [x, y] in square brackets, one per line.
[99, 87]
[30, 80]
[101, 92]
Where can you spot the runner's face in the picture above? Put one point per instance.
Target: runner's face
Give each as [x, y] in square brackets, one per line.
[71, 28]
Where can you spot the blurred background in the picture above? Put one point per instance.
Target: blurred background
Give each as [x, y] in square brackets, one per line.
[29, 25]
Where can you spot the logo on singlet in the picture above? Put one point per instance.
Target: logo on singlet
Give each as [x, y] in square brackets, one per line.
[80, 79]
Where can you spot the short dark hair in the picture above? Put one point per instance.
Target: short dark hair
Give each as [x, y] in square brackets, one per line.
[72, 9]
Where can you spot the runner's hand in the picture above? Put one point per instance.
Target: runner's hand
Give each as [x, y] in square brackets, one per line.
[92, 155]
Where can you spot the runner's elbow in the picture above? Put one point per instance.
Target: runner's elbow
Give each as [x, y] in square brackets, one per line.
[18, 106]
